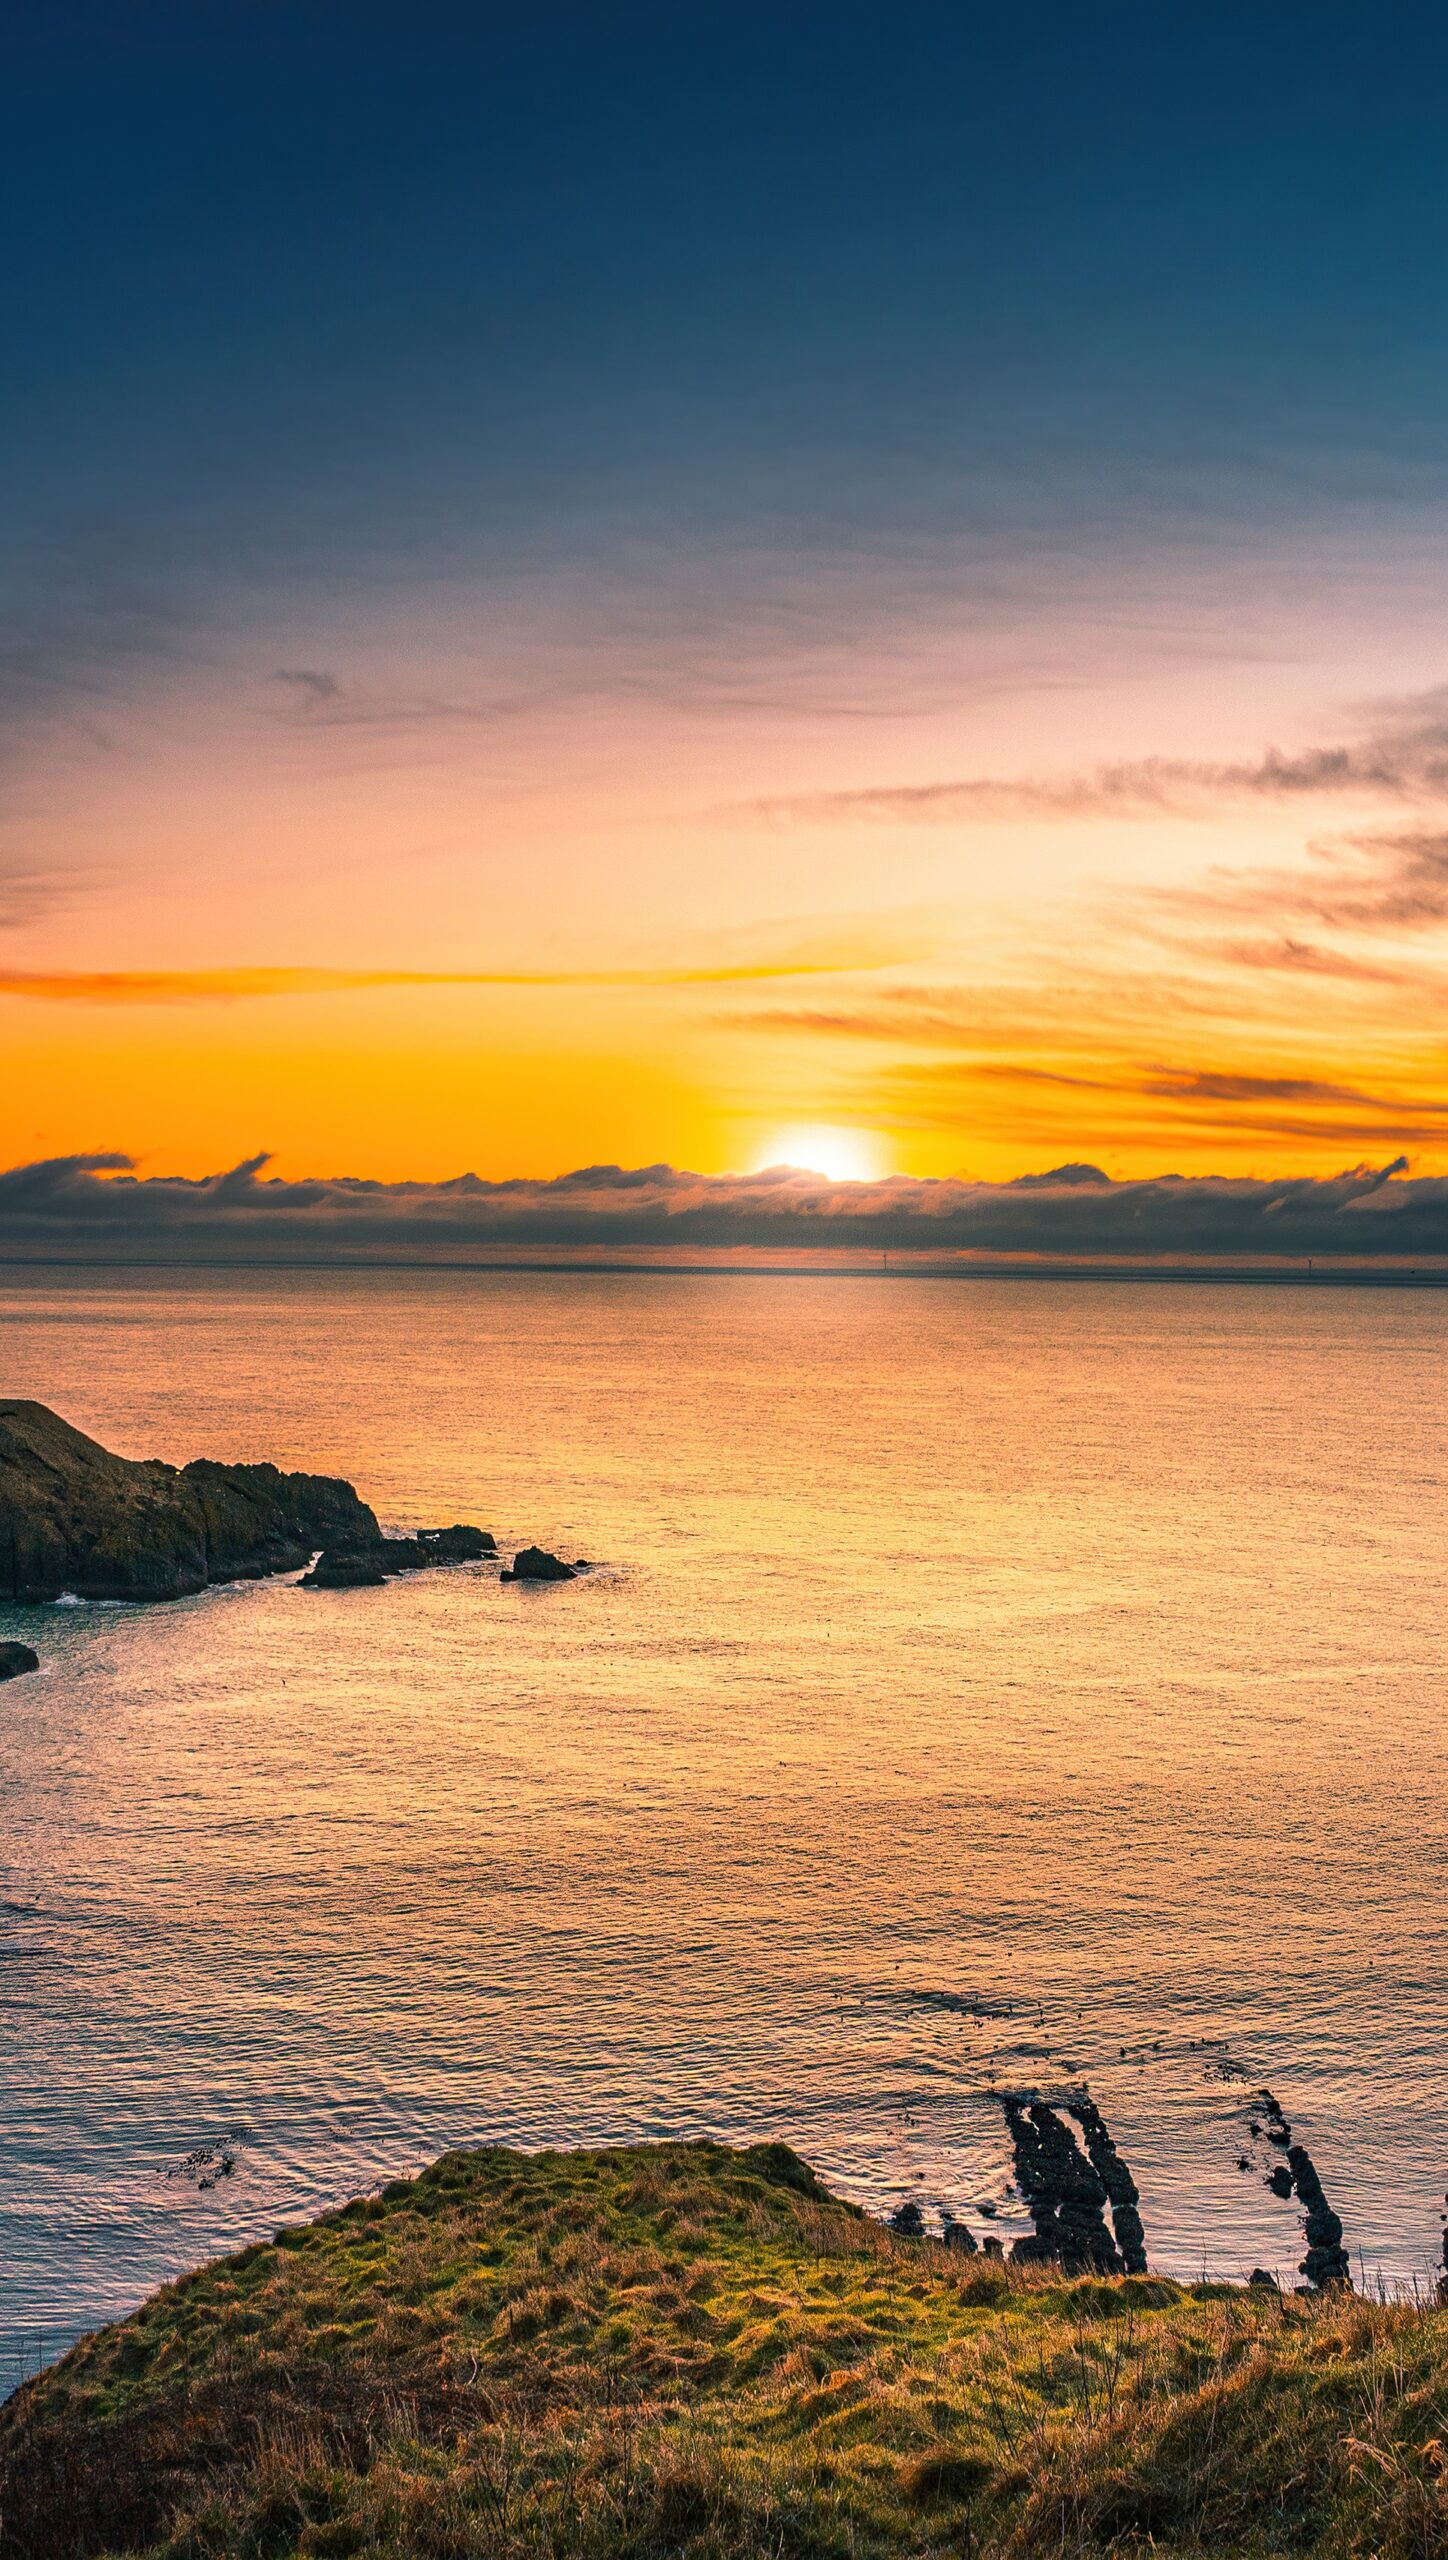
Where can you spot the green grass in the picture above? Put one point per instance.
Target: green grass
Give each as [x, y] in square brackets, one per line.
[683, 2352]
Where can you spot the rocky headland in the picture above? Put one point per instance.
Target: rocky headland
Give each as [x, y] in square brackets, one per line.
[76, 1518]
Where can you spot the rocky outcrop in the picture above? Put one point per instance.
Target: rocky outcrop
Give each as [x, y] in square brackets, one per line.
[534, 1564]
[461, 1544]
[15, 1659]
[1327, 2260]
[372, 1560]
[73, 1517]
[1064, 2195]
[334, 1572]
[1119, 2183]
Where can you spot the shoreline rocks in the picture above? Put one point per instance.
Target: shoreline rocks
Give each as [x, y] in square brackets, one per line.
[535, 1564]
[461, 1544]
[16, 1660]
[76, 1518]
[1063, 2192]
[1326, 2261]
[1119, 2183]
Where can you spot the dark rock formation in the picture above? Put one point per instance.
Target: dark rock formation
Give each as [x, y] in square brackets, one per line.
[1264, 2282]
[400, 1555]
[1278, 2129]
[958, 2235]
[458, 1545]
[909, 2221]
[16, 1659]
[333, 1571]
[1326, 2261]
[1119, 2183]
[75, 1518]
[1064, 2194]
[373, 1559]
[534, 1564]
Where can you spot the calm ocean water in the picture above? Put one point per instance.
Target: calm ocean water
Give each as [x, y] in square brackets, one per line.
[1038, 1682]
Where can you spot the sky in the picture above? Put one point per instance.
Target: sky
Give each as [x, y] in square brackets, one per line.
[624, 586]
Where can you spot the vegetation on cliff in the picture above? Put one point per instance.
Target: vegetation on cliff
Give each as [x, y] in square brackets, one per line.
[693, 2352]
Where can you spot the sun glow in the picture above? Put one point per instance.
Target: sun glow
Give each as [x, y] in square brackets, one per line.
[841, 1155]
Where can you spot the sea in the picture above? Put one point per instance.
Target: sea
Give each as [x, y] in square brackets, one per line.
[978, 1686]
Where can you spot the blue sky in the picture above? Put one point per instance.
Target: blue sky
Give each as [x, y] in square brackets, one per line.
[292, 277]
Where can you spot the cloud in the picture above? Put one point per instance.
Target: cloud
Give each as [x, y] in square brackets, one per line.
[1285, 951]
[30, 889]
[1393, 882]
[313, 686]
[819, 956]
[95, 1207]
[1405, 760]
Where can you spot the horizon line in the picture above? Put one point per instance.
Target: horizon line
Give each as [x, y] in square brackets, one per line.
[1338, 1275]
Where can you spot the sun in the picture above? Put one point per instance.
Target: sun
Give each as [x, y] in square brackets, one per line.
[841, 1155]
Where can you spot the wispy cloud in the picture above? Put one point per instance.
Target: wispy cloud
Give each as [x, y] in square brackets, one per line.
[1391, 882]
[845, 956]
[1404, 760]
[96, 1206]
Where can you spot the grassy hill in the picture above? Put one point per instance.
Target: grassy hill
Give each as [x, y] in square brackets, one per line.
[686, 2350]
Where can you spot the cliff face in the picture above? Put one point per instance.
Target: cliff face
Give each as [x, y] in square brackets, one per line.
[75, 1518]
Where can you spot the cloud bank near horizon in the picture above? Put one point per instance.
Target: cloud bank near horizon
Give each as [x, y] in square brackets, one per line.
[96, 1207]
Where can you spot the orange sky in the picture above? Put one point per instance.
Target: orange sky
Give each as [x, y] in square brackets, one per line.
[491, 879]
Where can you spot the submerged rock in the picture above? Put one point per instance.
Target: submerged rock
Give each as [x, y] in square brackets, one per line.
[76, 1518]
[535, 1564]
[16, 1659]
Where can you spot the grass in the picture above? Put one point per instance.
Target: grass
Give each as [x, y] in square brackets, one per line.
[684, 2352]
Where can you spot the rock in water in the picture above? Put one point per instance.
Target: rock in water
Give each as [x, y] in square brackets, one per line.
[15, 1659]
[331, 1572]
[1119, 2183]
[458, 1545]
[534, 1564]
[75, 1518]
[1063, 2193]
